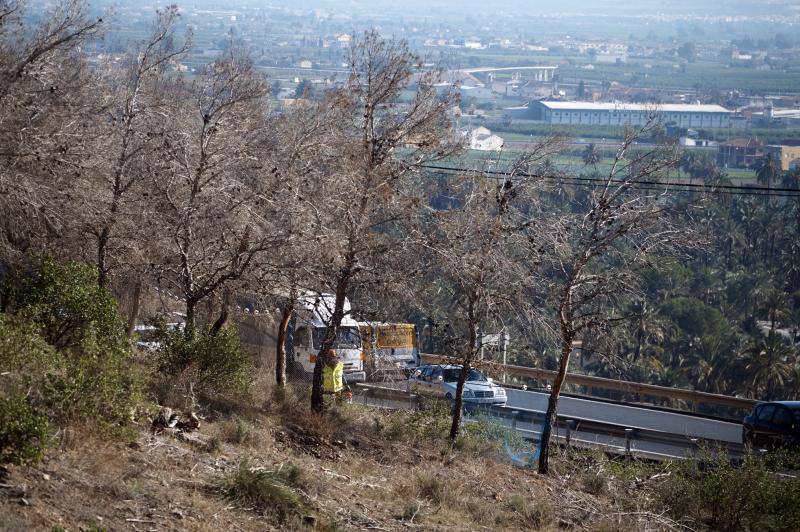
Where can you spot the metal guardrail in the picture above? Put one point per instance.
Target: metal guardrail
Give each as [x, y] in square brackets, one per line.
[612, 384]
[567, 426]
[627, 433]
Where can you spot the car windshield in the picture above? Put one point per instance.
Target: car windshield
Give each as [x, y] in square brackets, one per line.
[452, 374]
[346, 337]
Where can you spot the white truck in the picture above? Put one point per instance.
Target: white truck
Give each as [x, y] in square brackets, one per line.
[313, 314]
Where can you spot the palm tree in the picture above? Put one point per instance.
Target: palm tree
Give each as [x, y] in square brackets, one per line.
[591, 157]
[708, 363]
[769, 364]
[777, 305]
[650, 327]
[767, 169]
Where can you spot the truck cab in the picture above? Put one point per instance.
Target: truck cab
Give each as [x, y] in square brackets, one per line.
[314, 313]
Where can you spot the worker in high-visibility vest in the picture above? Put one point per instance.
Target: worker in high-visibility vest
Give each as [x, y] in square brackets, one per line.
[333, 373]
[333, 378]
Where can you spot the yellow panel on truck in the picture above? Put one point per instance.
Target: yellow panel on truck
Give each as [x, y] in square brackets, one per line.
[389, 348]
[395, 335]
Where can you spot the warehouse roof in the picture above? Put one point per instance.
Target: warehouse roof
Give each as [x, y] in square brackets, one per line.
[663, 108]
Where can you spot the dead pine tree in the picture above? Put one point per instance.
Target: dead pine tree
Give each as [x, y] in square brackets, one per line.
[295, 156]
[45, 84]
[132, 128]
[597, 255]
[366, 190]
[467, 245]
[208, 227]
[467, 276]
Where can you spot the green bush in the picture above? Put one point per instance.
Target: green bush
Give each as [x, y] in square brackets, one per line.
[24, 433]
[724, 497]
[24, 354]
[62, 339]
[212, 363]
[64, 300]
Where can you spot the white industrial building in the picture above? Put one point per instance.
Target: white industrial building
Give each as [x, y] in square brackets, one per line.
[623, 114]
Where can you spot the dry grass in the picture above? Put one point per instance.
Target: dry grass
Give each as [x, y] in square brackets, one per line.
[288, 468]
[238, 431]
[274, 492]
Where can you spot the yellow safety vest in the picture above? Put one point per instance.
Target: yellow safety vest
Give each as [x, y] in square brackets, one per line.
[332, 378]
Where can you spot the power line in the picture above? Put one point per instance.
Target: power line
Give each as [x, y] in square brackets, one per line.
[677, 188]
[737, 190]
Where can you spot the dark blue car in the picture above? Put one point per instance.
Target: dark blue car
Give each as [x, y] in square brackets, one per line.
[773, 425]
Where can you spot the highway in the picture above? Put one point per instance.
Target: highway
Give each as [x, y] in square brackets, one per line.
[630, 416]
[656, 434]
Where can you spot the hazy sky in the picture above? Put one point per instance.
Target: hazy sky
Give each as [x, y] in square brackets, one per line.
[649, 7]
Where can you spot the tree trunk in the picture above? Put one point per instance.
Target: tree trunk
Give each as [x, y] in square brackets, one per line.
[465, 367]
[136, 302]
[191, 306]
[224, 313]
[552, 404]
[544, 447]
[102, 243]
[317, 404]
[280, 349]
[459, 401]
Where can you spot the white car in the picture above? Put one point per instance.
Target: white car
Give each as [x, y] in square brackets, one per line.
[146, 335]
[442, 380]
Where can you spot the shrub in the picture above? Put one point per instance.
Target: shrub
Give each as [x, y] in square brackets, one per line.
[24, 433]
[95, 387]
[24, 354]
[724, 497]
[487, 436]
[64, 341]
[430, 422]
[266, 491]
[64, 300]
[212, 363]
[437, 489]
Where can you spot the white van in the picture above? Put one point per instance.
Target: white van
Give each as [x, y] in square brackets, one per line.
[312, 317]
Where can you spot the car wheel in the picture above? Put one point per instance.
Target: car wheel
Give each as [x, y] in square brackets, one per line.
[448, 396]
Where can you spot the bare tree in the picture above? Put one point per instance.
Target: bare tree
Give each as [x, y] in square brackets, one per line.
[596, 256]
[210, 197]
[468, 266]
[133, 128]
[44, 86]
[297, 155]
[469, 260]
[365, 193]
